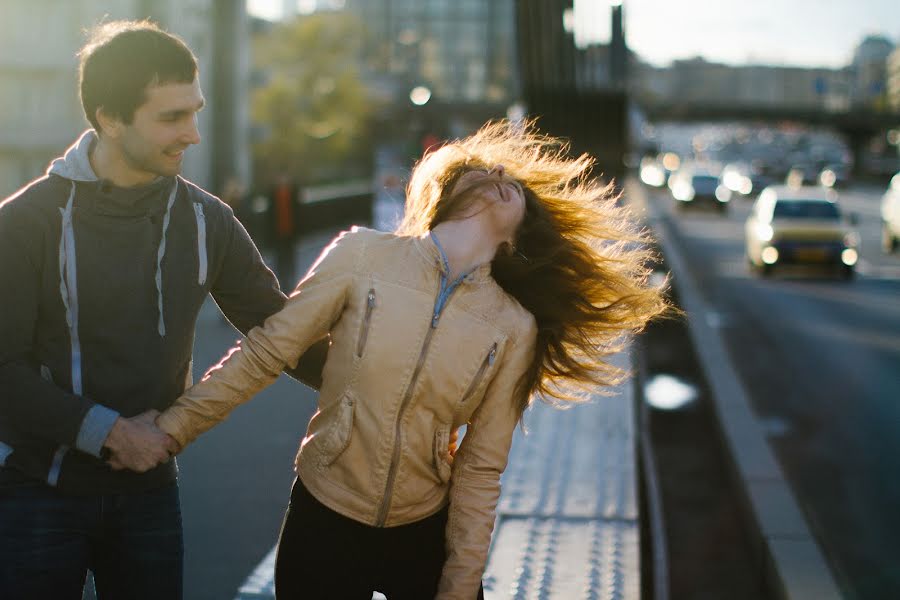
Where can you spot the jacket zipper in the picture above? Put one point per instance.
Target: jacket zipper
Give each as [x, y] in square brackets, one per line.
[364, 328]
[395, 459]
[488, 361]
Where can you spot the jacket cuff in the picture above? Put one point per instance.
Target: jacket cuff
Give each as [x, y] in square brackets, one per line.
[173, 426]
[95, 428]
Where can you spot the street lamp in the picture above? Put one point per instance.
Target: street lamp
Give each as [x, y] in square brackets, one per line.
[420, 95]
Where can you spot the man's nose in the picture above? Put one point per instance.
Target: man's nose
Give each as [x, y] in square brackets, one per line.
[192, 133]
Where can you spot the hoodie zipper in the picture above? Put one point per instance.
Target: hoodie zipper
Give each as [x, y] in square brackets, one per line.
[395, 459]
[364, 328]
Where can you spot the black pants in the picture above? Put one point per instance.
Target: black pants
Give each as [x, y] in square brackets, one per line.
[322, 554]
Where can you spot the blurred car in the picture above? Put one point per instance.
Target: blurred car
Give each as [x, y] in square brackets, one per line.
[652, 172]
[692, 188]
[799, 225]
[834, 176]
[800, 175]
[890, 216]
[736, 177]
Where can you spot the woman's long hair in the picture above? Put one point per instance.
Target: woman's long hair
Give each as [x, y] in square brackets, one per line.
[580, 263]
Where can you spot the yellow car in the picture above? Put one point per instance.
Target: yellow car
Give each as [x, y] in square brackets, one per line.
[799, 225]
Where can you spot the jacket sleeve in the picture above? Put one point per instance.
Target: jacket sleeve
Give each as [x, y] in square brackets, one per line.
[28, 402]
[477, 466]
[247, 292]
[250, 366]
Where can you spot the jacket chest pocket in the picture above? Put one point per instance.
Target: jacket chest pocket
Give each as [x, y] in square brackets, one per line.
[366, 323]
[486, 364]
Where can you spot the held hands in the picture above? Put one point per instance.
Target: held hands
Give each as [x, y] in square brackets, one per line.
[138, 444]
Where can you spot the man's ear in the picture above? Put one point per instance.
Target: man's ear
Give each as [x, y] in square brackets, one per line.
[110, 126]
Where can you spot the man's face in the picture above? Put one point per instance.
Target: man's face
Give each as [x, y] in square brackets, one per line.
[162, 128]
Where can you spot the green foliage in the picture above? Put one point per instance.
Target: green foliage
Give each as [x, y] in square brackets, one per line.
[314, 110]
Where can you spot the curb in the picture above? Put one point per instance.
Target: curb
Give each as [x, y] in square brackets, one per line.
[786, 554]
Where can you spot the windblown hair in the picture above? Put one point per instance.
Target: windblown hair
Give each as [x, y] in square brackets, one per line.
[580, 263]
[121, 59]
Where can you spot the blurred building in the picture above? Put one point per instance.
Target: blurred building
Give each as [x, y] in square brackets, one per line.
[698, 81]
[607, 66]
[893, 80]
[462, 50]
[870, 71]
[548, 58]
[41, 113]
[292, 8]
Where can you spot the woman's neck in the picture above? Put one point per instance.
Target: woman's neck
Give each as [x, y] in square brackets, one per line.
[467, 244]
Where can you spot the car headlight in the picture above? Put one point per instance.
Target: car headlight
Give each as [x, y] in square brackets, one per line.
[723, 194]
[765, 232]
[683, 192]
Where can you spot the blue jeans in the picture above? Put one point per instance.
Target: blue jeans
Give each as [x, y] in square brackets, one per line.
[48, 540]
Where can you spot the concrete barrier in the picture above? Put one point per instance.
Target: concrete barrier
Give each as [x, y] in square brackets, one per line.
[786, 555]
[327, 206]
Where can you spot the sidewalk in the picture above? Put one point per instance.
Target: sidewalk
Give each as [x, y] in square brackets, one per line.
[568, 525]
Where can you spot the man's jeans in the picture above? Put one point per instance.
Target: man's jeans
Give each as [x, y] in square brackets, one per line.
[48, 541]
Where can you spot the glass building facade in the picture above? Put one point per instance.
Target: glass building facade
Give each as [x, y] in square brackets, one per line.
[463, 50]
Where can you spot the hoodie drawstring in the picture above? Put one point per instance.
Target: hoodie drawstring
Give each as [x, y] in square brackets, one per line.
[68, 290]
[201, 243]
[159, 256]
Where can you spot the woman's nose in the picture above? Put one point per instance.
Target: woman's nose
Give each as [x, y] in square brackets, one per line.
[499, 170]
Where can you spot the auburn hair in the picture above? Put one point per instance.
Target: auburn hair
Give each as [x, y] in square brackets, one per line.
[580, 263]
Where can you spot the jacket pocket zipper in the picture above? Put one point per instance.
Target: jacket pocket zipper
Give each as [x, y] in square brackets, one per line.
[487, 362]
[364, 328]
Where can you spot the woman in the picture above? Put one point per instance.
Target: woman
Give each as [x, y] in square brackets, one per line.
[512, 275]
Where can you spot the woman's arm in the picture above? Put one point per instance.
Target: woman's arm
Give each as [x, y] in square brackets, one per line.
[477, 466]
[257, 361]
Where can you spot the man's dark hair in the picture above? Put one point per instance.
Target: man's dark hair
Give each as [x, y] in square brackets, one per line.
[121, 59]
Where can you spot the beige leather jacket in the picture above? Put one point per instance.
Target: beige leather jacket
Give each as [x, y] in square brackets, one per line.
[402, 373]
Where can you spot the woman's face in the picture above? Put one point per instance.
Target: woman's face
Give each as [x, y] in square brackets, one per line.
[494, 191]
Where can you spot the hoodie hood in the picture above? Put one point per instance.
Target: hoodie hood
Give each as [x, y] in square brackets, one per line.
[75, 164]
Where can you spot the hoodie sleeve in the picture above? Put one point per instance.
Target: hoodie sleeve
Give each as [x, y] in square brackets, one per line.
[245, 289]
[29, 402]
[248, 293]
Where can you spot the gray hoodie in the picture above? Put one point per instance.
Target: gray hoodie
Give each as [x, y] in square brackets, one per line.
[100, 288]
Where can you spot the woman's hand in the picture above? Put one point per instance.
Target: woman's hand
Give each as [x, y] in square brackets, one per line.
[138, 444]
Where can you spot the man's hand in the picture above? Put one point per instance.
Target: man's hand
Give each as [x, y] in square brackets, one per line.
[138, 444]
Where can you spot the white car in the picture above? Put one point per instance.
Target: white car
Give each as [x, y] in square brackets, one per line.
[890, 216]
[799, 225]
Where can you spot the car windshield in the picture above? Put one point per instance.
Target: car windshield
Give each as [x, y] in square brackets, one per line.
[705, 184]
[806, 209]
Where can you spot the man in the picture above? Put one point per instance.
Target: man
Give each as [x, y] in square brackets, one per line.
[104, 265]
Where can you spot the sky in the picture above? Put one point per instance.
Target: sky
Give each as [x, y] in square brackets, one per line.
[814, 33]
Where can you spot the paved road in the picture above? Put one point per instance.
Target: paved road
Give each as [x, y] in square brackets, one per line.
[821, 360]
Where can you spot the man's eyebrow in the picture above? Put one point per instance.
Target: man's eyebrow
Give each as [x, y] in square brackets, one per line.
[178, 112]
